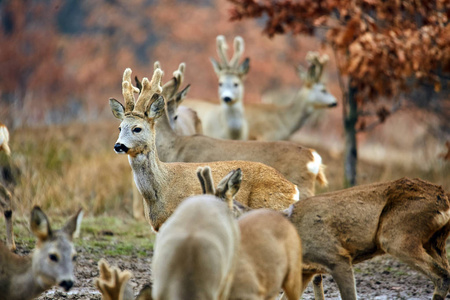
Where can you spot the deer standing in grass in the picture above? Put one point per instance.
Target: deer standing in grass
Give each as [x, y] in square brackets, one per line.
[5, 195]
[164, 185]
[51, 262]
[226, 120]
[270, 256]
[407, 218]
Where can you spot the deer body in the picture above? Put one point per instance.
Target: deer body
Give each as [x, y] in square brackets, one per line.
[50, 263]
[201, 238]
[165, 185]
[407, 218]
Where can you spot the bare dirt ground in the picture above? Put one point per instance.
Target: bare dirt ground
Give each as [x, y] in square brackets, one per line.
[128, 244]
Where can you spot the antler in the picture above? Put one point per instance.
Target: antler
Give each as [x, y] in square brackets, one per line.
[149, 89]
[112, 281]
[222, 47]
[317, 63]
[170, 88]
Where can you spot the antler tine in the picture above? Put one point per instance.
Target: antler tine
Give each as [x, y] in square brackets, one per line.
[322, 61]
[222, 48]
[128, 90]
[149, 88]
[238, 51]
[112, 281]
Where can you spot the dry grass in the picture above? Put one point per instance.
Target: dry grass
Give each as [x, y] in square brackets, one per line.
[66, 167]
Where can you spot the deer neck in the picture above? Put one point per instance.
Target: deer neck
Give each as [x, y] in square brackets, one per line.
[234, 118]
[295, 114]
[166, 139]
[149, 172]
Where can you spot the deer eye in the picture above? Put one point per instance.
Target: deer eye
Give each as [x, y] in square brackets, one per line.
[220, 83]
[53, 257]
[235, 85]
[175, 118]
[137, 130]
[74, 258]
[120, 129]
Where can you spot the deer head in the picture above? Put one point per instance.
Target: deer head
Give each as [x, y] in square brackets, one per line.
[230, 73]
[317, 93]
[138, 117]
[54, 256]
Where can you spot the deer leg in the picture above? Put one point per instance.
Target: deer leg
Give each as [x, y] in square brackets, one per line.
[292, 287]
[318, 287]
[342, 273]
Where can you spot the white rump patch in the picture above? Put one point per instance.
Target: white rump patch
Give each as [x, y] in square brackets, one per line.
[314, 165]
[296, 196]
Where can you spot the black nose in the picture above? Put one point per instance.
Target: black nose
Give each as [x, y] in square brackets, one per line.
[66, 284]
[120, 148]
[227, 99]
[332, 104]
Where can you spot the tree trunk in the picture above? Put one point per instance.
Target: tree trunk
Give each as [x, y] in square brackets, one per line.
[351, 154]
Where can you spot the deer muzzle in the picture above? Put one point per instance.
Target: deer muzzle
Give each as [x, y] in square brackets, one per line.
[66, 284]
[120, 148]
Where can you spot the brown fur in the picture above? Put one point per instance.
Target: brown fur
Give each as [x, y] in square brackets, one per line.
[407, 218]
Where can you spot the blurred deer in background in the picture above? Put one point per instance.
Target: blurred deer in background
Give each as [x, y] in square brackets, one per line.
[270, 256]
[165, 185]
[51, 263]
[272, 122]
[226, 120]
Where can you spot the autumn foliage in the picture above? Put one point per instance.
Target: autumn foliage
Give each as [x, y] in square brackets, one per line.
[381, 44]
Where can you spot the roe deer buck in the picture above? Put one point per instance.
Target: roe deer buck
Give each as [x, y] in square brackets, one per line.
[270, 256]
[165, 185]
[407, 218]
[227, 120]
[51, 263]
[113, 284]
[270, 122]
[5, 206]
[300, 165]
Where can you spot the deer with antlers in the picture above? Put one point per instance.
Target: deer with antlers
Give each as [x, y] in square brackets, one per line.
[270, 122]
[227, 120]
[164, 185]
[51, 262]
[259, 121]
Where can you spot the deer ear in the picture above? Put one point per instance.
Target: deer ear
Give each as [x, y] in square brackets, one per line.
[157, 107]
[216, 66]
[117, 108]
[73, 225]
[39, 224]
[244, 67]
[181, 95]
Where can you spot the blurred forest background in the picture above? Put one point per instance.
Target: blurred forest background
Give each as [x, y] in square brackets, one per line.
[60, 61]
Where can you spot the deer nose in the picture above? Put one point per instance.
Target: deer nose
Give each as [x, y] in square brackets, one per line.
[120, 148]
[332, 104]
[66, 284]
[227, 99]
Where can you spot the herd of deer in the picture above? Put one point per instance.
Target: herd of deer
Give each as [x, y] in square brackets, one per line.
[261, 229]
